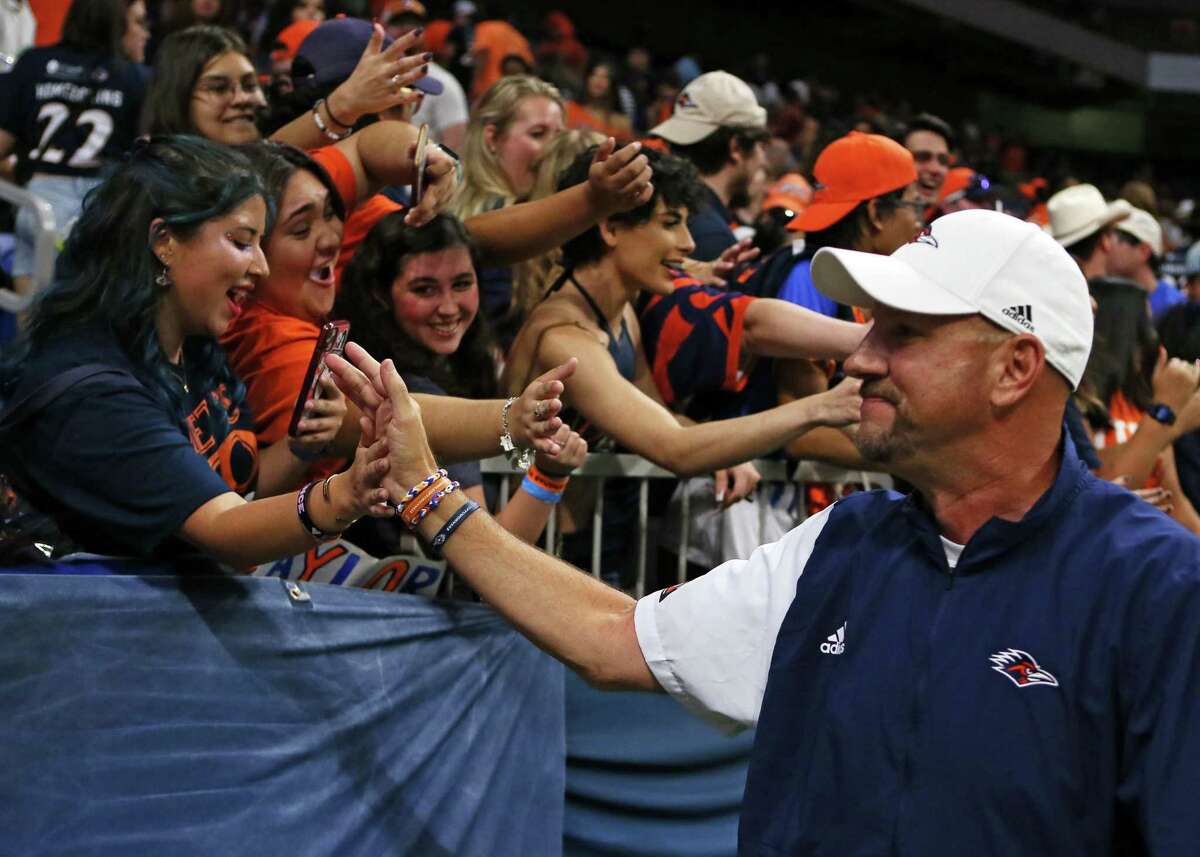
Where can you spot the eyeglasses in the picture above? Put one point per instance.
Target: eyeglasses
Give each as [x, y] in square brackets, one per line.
[924, 156]
[223, 87]
[915, 204]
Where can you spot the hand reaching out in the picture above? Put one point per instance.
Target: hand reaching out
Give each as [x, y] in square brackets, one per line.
[619, 180]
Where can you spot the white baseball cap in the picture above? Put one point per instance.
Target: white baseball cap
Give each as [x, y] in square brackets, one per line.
[978, 261]
[713, 100]
[1080, 210]
[1144, 226]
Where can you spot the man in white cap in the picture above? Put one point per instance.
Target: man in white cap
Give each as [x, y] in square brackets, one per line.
[1005, 662]
[719, 126]
[1136, 255]
[1082, 221]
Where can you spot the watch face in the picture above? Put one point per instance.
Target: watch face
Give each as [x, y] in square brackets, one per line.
[1162, 413]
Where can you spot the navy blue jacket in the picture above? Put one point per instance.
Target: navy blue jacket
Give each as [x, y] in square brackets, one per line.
[1041, 699]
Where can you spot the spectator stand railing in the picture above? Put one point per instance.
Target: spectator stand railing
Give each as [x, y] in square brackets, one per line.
[601, 466]
[43, 253]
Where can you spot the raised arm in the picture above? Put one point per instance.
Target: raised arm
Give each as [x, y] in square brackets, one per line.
[617, 181]
[638, 422]
[379, 82]
[776, 328]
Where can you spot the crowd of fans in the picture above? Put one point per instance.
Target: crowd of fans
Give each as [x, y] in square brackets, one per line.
[225, 178]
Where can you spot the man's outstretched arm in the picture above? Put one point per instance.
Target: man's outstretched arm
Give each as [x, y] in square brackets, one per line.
[584, 623]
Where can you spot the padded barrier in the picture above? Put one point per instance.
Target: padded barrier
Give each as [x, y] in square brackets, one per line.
[645, 778]
[147, 715]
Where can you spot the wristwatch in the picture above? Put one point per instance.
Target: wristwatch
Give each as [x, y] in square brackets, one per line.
[1163, 413]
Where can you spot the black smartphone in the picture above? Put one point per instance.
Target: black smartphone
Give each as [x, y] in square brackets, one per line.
[332, 340]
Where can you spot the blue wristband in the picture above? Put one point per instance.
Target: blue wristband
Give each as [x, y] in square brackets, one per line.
[461, 514]
[537, 492]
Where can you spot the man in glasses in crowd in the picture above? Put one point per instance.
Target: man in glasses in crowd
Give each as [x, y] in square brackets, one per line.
[930, 141]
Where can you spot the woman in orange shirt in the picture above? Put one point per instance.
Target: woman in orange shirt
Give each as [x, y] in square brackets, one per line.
[600, 109]
[1142, 400]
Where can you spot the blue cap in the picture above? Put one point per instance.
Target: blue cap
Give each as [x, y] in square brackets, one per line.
[330, 53]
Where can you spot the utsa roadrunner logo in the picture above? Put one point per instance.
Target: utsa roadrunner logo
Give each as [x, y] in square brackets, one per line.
[1021, 669]
[685, 102]
[926, 237]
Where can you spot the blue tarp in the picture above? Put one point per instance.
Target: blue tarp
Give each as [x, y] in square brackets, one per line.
[203, 716]
[645, 778]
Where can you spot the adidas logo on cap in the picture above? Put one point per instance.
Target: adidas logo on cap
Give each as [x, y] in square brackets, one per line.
[835, 644]
[1022, 315]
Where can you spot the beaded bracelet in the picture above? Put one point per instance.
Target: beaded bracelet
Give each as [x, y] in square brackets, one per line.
[461, 514]
[306, 520]
[325, 129]
[414, 515]
[411, 507]
[417, 489]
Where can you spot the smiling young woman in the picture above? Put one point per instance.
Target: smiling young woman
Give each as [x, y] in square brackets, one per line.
[411, 294]
[612, 398]
[153, 457]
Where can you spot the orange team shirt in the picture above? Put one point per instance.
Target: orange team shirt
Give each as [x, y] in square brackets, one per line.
[1125, 416]
[269, 350]
[495, 40]
[578, 116]
[361, 218]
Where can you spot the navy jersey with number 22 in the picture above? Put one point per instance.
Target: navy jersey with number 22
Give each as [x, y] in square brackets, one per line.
[71, 112]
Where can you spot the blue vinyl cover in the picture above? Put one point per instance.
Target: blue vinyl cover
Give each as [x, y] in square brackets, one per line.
[184, 716]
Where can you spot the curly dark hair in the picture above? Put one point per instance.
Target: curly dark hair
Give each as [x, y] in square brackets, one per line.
[676, 183]
[365, 300]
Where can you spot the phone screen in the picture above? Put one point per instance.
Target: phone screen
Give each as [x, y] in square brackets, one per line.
[419, 162]
[333, 338]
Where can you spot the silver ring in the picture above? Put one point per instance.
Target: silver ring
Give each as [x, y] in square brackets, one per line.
[539, 411]
[395, 80]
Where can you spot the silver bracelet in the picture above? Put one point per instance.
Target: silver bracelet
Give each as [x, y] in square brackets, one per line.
[322, 127]
[517, 457]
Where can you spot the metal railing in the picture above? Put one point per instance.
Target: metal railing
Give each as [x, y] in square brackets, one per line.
[43, 248]
[599, 467]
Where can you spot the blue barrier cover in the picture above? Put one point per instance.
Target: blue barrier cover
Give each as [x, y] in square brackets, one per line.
[645, 778]
[204, 716]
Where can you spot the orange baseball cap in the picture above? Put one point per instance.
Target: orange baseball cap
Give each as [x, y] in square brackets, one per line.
[791, 191]
[290, 39]
[850, 170]
[957, 180]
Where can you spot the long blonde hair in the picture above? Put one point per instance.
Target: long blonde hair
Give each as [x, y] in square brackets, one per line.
[484, 179]
[531, 277]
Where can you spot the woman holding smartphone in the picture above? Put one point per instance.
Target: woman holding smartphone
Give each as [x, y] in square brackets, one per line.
[155, 457]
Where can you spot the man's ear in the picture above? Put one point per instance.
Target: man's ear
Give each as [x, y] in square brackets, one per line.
[1017, 364]
[874, 221]
[736, 155]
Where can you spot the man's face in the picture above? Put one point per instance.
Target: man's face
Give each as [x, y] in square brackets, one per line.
[932, 155]
[751, 162]
[1126, 255]
[924, 382]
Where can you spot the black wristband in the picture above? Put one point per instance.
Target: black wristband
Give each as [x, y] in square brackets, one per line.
[461, 514]
[329, 110]
[306, 520]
